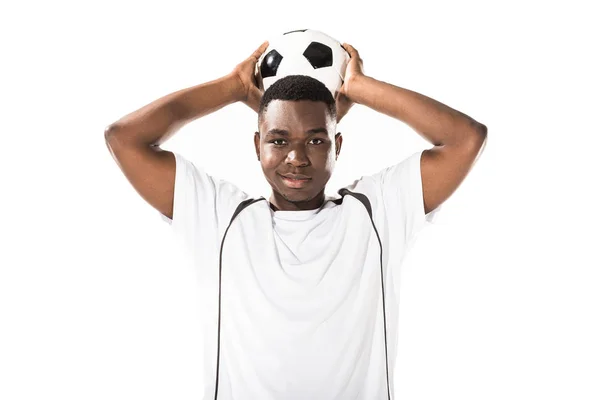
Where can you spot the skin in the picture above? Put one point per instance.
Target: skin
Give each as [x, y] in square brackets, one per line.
[297, 137]
[457, 138]
[134, 140]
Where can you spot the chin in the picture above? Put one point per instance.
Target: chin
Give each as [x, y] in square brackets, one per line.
[297, 197]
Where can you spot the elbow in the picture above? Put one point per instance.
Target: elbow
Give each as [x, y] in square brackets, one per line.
[476, 128]
[481, 141]
[110, 131]
[477, 136]
[482, 130]
[114, 134]
[117, 133]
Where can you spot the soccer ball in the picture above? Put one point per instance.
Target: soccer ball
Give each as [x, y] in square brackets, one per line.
[303, 52]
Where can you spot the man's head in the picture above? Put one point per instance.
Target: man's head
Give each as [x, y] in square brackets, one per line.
[296, 136]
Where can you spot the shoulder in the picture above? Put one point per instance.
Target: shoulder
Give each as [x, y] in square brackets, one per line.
[389, 181]
[202, 193]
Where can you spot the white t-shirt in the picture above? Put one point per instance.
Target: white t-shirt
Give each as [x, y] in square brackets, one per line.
[301, 297]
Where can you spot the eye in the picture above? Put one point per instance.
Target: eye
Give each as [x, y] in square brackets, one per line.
[321, 140]
[277, 140]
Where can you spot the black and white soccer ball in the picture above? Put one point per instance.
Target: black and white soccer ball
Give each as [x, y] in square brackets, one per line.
[303, 52]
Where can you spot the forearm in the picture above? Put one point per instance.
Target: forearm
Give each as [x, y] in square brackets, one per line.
[434, 121]
[156, 122]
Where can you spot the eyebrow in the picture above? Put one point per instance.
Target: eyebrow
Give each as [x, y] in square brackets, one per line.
[283, 132]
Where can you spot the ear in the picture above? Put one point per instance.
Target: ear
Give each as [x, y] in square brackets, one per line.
[338, 144]
[257, 144]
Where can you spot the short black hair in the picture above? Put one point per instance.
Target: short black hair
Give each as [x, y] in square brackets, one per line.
[297, 87]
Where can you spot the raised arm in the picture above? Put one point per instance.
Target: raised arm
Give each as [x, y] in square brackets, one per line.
[457, 138]
[134, 140]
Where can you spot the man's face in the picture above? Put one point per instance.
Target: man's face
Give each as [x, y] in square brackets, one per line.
[297, 138]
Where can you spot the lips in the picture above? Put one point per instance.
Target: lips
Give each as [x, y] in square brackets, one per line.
[295, 176]
[295, 181]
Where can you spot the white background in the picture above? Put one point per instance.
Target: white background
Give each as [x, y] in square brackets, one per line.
[500, 297]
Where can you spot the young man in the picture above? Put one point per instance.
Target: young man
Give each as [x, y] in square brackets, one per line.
[299, 292]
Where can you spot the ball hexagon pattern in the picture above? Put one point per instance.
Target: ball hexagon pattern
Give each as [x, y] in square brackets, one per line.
[303, 52]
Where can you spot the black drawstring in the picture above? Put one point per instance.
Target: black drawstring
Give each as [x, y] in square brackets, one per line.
[365, 201]
[239, 209]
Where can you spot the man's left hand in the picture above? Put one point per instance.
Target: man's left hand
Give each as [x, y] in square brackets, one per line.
[354, 72]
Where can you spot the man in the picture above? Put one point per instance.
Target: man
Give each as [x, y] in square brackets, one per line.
[298, 292]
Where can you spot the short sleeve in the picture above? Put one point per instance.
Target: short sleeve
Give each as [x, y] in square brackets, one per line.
[402, 195]
[202, 205]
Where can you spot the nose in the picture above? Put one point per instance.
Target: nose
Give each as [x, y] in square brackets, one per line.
[297, 157]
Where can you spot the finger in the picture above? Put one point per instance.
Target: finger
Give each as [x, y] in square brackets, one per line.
[353, 53]
[351, 50]
[258, 52]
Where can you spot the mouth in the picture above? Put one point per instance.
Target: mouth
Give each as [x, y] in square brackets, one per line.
[295, 183]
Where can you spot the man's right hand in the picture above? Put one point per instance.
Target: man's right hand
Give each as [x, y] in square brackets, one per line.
[246, 73]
